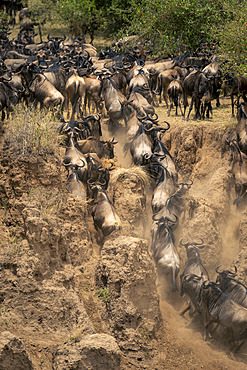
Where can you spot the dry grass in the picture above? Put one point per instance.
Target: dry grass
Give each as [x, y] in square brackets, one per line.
[48, 201]
[134, 172]
[32, 132]
[10, 245]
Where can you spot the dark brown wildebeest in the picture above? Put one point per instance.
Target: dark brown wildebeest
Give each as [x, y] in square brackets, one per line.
[100, 147]
[218, 307]
[230, 285]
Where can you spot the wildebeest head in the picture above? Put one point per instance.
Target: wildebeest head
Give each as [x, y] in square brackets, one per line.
[222, 275]
[94, 124]
[109, 148]
[192, 248]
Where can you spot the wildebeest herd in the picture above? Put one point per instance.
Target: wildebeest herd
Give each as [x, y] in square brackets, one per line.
[122, 82]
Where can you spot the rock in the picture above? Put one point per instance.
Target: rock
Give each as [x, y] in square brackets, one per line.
[12, 354]
[126, 279]
[93, 352]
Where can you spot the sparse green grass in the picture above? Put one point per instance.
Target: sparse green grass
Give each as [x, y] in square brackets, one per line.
[103, 293]
[32, 132]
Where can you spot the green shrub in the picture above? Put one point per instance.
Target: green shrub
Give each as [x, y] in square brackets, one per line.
[182, 26]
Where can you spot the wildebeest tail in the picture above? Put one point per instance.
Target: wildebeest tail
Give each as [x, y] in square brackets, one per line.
[75, 96]
[158, 88]
[174, 95]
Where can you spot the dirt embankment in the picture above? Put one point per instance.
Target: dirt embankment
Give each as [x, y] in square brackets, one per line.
[68, 302]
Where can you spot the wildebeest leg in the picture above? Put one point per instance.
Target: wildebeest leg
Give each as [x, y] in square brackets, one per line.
[170, 107]
[86, 101]
[179, 103]
[232, 104]
[237, 347]
[190, 109]
[185, 101]
[185, 310]
[3, 115]
[209, 109]
[197, 108]
[205, 107]
[165, 98]
[217, 102]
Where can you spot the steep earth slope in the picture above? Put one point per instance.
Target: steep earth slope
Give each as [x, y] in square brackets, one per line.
[70, 302]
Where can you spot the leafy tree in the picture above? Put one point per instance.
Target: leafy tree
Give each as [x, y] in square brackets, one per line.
[79, 14]
[182, 26]
[232, 45]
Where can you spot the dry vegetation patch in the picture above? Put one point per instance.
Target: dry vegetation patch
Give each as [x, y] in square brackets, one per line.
[32, 132]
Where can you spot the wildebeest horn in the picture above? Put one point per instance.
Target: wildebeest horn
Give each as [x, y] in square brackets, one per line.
[48, 37]
[217, 269]
[233, 273]
[147, 156]
[173, 221]
[90, 182]
[141, 118]
[184, 183]
[168, 126]
[154, 117]
[185, 277]
[200, 243]
[114, 142]
[110, 167]
[184, 244]
[145, 86]
[44, 66]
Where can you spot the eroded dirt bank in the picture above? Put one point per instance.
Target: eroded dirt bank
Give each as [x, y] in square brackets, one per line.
[68, 302]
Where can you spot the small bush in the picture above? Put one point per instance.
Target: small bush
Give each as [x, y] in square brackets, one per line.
[32, 133]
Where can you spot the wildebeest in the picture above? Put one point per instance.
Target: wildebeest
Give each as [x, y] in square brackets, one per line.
[142, 143]
[241, 129]
[73, 183]
[100, 147]
[193, 276]
[113, 99]
[239, 171]
[43, 91]
[200, 88]
[75, 91]
[175, 93]
[93, 95]
[230, 285]
[104, 215]
[141, 100]
[73, 157]
[164, 188]
[165, 158]
[163, 81]
[219, 308]
[164, 251]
